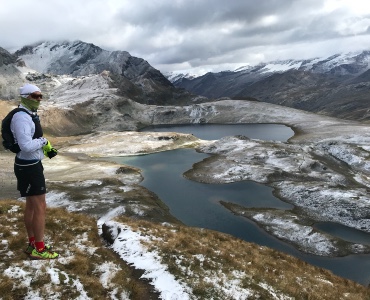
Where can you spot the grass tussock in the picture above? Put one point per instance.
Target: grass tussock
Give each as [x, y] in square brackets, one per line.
[207, 261]
[86, 268]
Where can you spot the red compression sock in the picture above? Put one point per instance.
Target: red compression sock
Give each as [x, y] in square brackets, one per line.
[39, 246]
[31, 240]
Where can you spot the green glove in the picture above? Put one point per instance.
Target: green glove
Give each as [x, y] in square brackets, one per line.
[46, 148]
[49, 151]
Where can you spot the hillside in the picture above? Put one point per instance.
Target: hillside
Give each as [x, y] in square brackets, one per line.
[180, 262]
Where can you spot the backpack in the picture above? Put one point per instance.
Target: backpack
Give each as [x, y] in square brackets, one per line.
[7, 135]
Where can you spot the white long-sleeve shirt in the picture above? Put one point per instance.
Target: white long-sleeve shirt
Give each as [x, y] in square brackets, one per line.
[23, 129]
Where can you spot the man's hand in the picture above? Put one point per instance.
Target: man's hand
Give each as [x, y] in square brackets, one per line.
[49, 151]
[53, 152]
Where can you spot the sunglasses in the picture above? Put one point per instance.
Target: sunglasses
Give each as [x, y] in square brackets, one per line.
[36, 96]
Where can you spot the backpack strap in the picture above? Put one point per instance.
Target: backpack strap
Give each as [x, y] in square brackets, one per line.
[38, 129]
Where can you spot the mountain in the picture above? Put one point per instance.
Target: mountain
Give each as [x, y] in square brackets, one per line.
[315, 92]
[133, 77]
[337, 85]
[87, 88]
[6, 58]
[222, 84]
[10, 76]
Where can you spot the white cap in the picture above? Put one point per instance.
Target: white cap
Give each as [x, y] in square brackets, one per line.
[29, 89]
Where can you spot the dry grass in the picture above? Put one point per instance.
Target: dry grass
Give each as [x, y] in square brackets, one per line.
[195, 256]
[206, 261]
[83, 261]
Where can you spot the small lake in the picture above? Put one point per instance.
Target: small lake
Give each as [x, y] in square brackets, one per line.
[268, 132]
[197, 204]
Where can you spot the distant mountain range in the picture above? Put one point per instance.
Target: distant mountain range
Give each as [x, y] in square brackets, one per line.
[338, 85]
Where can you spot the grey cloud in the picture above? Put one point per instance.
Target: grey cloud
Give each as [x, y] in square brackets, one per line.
[186, 15]
[188, 32]
[192, 18]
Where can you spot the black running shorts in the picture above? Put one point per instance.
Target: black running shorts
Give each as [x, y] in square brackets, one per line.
[30, 179]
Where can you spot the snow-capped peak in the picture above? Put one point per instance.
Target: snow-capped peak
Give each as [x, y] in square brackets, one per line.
[282, 66]
[175, 76]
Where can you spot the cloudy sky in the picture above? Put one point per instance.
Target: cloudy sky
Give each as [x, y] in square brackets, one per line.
[194, 35]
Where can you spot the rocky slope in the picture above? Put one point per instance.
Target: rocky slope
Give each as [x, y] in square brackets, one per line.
[11, 78]
[133, 77]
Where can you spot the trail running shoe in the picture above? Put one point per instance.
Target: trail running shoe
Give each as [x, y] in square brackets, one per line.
[30, 248]
[45, 254]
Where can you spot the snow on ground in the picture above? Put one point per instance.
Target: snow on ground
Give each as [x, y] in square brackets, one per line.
[132, 246]
[334, 204]
[24, 272]
[285, 228]
[128, 245]
[79, 90]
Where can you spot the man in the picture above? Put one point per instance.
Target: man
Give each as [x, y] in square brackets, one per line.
[28, 169]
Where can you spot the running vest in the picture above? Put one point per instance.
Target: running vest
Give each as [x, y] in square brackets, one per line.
[7, 135]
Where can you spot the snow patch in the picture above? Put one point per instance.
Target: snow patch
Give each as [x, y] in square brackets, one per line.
[128, 246]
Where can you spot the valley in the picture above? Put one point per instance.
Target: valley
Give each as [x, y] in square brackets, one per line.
[304, 171]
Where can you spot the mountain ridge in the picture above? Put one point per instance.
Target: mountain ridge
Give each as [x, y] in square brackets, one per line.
[316, 64]
[328, 85]
[133, 77]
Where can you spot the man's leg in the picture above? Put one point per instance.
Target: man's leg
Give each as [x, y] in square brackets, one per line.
[34, 216]
[38, 206]
[28, 217]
